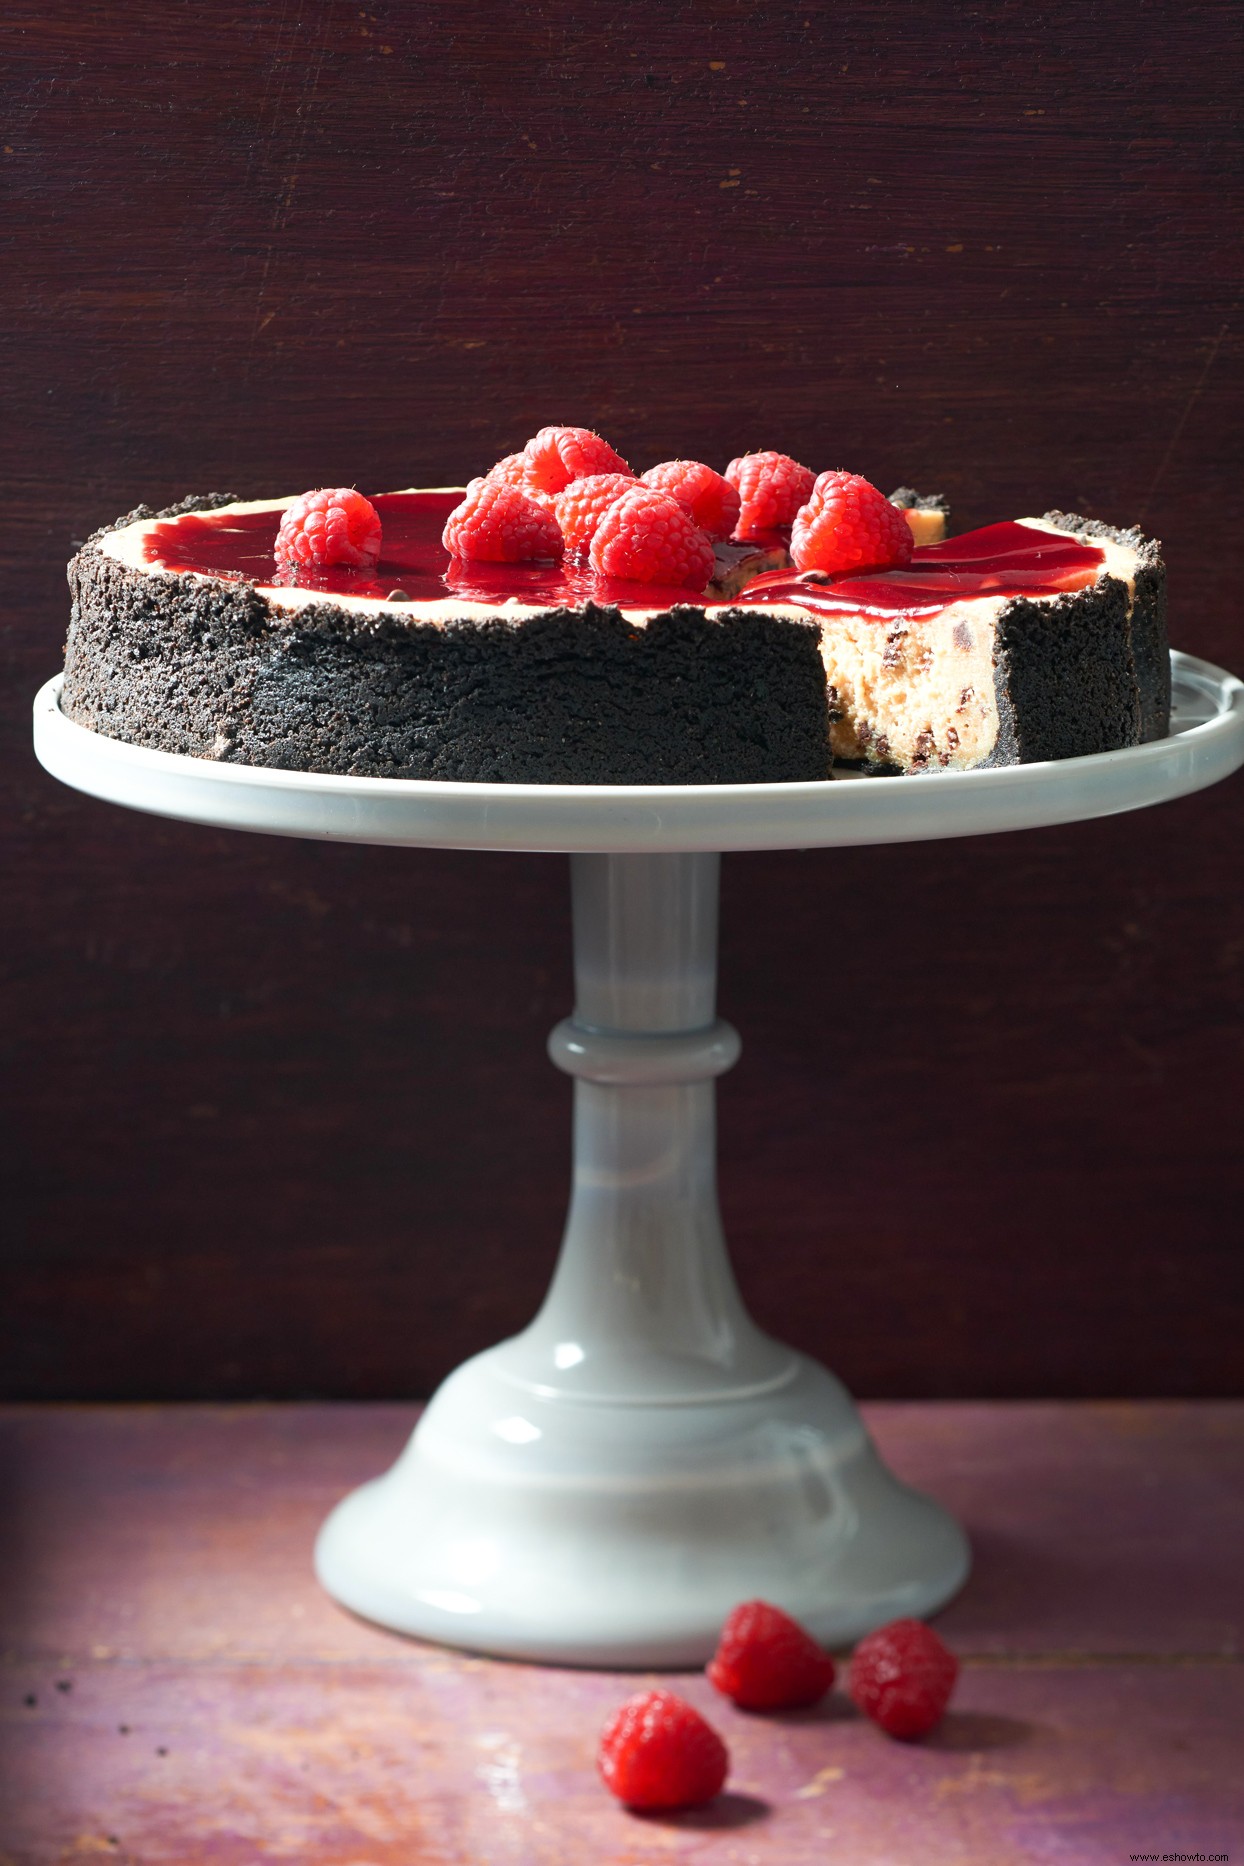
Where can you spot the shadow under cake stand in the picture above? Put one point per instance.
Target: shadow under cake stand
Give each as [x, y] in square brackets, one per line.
[605, 1486]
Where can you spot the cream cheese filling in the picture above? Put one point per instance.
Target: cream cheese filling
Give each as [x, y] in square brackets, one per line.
[926, 524]
[913, 691]
[920, 691]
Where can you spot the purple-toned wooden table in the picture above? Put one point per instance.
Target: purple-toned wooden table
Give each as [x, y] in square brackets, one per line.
[177, 1689]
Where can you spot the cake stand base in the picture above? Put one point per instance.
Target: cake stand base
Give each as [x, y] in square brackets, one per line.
[622, 1534]
[602, 1489]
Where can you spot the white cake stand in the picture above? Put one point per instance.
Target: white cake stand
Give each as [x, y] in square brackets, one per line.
[605, 1486]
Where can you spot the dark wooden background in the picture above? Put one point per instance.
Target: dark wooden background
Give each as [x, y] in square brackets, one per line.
[279, 1118]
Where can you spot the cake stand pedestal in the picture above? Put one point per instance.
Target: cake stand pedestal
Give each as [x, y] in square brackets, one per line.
[605, 1486]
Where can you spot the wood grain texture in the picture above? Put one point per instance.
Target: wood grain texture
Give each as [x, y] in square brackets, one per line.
[279, 1119]
[175, 1687]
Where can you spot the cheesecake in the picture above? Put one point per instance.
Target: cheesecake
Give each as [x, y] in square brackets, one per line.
[1034, 639]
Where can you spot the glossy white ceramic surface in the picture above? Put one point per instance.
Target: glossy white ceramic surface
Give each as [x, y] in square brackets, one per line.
[602, 1488]
[1206, 743]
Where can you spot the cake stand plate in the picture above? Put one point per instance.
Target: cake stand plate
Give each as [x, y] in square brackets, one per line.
[605, 1486]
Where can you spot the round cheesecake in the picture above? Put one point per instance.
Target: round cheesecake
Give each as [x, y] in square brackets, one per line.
[1045, 638]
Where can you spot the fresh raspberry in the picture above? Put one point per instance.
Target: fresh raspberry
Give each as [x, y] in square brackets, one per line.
[646, 536]
[498, 524]
[512, 471]
[555, 456]
[580, 506]
[335, 526]
[509, 471]
[710, 498]
[771, 488]
[656, 1751]
[848, 525]
[766, 1661]
[902, 1677]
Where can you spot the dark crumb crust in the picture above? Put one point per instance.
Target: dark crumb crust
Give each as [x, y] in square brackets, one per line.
[207, 667]
[1150, 645]
[1063, 676]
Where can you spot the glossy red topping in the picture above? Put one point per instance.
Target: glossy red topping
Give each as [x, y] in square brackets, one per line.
[238, 546]
[848, 525]
[999, 560]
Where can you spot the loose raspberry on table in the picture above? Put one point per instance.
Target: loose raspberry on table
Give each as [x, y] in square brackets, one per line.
[334, 526]
[579, 507]
[767, 1661]
[657, 1751]
[848, 525]
[709, 497]
[498, 524]
[647, 537]
[902, 1677]
[555, 456]
[771, 489]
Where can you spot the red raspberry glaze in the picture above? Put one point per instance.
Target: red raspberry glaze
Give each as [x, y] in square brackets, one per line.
[771, 488]
[334, 526]
[579, 507]
[657, 1751]
[647, 537]
[847, 525]
[555, 456]
[1001, 560]
[498, 524]
[902, 1677]
[767, 1661]
[709, 497]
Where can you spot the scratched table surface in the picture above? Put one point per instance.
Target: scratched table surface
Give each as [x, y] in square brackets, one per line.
[176, 1687]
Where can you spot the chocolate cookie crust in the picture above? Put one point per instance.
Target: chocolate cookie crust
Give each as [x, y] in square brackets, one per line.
[207, 667]
[1064, 677]
[1149, 643]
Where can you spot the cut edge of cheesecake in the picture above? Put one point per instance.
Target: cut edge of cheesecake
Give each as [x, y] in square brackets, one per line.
[927, 513]
[1000, 680]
